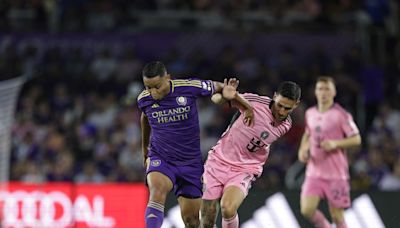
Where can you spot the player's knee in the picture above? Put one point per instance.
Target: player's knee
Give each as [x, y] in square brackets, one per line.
[228, 210]
[337, 216]
[158, 195]
[207, 223]
[207, 220]
[307, 211]
[191, 220]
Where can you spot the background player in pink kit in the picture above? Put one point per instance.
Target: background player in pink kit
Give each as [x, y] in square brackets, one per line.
[241, 152]
[329, 130]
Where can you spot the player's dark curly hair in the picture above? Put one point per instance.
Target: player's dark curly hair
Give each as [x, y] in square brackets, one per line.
[289, 90]
[154, 69]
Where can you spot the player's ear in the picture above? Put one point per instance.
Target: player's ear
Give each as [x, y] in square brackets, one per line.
[297, 104]
[168, 76]
[275, 95]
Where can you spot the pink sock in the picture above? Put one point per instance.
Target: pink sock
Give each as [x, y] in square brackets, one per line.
[231, 222]
[319, 220]
[341, 224]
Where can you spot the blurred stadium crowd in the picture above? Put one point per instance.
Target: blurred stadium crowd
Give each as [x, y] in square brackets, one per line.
[75, 121]
[123, 15]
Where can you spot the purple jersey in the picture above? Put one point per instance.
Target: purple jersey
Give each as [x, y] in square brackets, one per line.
[175, 134]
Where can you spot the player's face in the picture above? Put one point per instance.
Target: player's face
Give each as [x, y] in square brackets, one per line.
[282, 107]
[325, 92]
[158, 86]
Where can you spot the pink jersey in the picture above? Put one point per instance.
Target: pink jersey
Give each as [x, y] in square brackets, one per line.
[336, 123]
[246, 148]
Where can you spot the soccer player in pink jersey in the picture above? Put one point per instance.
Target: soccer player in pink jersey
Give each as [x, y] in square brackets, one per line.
[241, 152]
[329, 131]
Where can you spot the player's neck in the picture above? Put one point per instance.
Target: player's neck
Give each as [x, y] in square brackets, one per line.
[323, 107]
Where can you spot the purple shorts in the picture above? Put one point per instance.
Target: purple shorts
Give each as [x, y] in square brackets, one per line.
[185, 178]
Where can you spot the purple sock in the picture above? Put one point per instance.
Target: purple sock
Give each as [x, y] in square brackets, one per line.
[154, 215]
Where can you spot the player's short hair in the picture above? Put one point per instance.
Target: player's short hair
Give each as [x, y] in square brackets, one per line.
[326, 79]
[154, 69]
[289, 90]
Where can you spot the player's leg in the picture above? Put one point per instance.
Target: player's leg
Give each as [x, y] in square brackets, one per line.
[213, 178]
[311, 193]
[230, 202]
[160, 182]
[188, 189]
[235, 191]
[159, 187]
[209, 212]
[337, 215]
[338, 199]
[308, 207]
[190, 209]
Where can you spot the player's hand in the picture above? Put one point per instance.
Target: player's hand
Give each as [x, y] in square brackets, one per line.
[248, 117]
[328, 145]
[303, 156]
[229, 90]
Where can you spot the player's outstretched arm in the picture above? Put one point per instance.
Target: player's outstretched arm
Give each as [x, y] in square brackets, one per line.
[230, 93]
[146, 129]
[303, 153]
[241, 103]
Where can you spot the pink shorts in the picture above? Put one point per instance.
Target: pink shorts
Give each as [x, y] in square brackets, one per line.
[336, 192]
[218, 176]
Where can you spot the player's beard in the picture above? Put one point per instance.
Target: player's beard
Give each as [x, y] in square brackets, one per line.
[281, 117]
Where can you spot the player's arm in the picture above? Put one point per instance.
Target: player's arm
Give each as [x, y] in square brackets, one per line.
[345, 143]
[218, 87]
[304, 148]
[241, 103]
[144, 123]
[229, 93]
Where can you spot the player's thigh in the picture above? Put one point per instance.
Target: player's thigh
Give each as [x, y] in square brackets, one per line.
[232, 199]
[312, 191]
[159, 186]
[189, 207]
[309, 204]
[338, 194]
[209, 212]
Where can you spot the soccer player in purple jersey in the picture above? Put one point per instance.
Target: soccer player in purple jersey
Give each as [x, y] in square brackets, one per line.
[171, 139]
[330, 130]
[238, 158]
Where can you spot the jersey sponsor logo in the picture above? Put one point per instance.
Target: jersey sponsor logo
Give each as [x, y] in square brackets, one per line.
[171, 115]
[155, 106]
[254, 145]
[264, 135]
[181, 101]
[155, 163]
